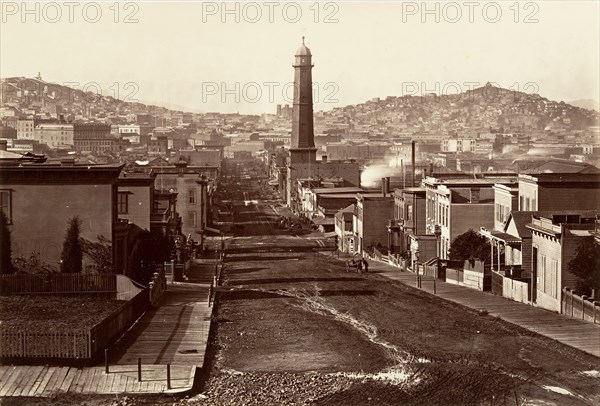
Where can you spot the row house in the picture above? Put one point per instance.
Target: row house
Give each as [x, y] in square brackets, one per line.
[315, 199]
[93, 137]
[88, 192]
[55, 136]
[559, 191]
[110, 204]
[555, 241]
[406, 231]
[453, 206]
[371, 216]
[548, 215]
[344, 230]
[194, 186]
[25, 129]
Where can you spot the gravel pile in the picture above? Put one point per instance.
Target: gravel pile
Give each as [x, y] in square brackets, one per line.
[269, 389]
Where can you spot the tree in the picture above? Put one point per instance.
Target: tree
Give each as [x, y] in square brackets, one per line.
[72, 253]
[586, 266]
[470, 246]
[100, 253]
[5, 250]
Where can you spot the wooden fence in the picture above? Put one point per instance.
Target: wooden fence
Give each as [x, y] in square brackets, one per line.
[17, 342]
[455, 276]
[516, 289]
[157, 285]
[84, 344]
[57, 283]
[580, 307]
[109, 329]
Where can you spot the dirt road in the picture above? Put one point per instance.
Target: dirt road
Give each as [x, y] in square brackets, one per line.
[301, 330]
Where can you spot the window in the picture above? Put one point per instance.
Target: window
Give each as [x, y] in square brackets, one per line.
[192, 219]
[122, 203]
[410, 212]
[6, 203]
[192, 196]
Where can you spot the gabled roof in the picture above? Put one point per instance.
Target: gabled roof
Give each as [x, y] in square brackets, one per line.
[520, 219]
[346, 213]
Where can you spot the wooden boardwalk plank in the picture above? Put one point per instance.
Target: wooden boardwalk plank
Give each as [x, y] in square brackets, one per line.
[115, 383]
[44, 382]
[64, 385]
[8, 385]
[100, 382]
[5, 370]
[22, 375]
[76, 378]
[90, 381]
[27, 383]
[38, 381]
[6, 378]
[108, 384]
[55, 381]
[100, 379]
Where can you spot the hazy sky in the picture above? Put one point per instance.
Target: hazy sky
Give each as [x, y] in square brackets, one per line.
[198, 56]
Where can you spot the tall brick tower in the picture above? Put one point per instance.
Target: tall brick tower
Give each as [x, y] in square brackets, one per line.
[303, 148]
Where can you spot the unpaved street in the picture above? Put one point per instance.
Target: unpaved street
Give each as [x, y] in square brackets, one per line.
[301, 330]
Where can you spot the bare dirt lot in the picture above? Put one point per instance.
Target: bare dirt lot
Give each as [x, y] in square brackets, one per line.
[54, 311]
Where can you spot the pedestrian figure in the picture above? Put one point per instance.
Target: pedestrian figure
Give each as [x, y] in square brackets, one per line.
[359, 266]
[365, 265]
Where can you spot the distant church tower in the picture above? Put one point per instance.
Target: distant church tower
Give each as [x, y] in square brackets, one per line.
[303, 148]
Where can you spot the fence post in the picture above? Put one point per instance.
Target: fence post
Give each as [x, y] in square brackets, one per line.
[434, 289]
[596, 304]
[571, 293]
[106, 360]
[168, 376]
[139, 370]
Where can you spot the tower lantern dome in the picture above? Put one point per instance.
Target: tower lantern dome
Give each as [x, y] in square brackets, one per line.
[303, 50]
[303, 55]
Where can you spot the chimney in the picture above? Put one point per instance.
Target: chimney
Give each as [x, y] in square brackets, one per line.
[385, 186]
[474, 195]
[324, 159]
[3, 145]
[413, 162]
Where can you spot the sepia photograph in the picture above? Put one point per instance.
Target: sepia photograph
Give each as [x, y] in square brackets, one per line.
[313, 203]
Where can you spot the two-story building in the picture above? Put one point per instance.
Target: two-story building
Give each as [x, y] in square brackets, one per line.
[559, 191]
[408, 220]
[371, 216]
[555, 241]
[456, 205]
[40, 198]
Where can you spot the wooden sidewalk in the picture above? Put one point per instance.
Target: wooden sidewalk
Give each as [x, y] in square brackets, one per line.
[175, 333]
[44, 381]
[575, 333]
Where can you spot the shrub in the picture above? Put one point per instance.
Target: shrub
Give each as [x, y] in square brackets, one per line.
[72, 253]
